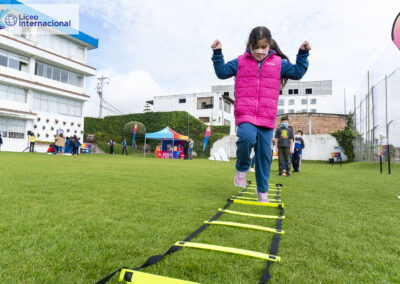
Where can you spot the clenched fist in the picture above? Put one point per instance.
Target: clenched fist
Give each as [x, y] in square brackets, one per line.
[305, 45]
[216, 44]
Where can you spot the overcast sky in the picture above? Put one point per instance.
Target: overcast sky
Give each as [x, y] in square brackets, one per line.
[151, 48]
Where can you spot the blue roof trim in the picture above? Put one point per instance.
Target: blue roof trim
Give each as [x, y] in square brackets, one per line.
[91, 41]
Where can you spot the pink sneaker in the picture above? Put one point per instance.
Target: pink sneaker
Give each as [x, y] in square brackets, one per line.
[240, 179]
[262, 197]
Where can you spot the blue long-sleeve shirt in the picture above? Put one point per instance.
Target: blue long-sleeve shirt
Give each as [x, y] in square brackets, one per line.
[288, 70]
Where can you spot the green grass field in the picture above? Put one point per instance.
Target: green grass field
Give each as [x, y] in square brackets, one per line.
[70, 219]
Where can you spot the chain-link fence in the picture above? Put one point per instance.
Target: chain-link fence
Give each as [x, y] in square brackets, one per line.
[377, 119]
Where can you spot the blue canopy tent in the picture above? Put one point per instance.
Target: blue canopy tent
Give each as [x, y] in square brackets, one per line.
[166, 133]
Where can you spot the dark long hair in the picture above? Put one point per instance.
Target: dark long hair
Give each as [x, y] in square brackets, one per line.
[260, 33]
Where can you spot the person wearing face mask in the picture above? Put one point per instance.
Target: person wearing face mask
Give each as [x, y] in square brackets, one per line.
[260, 73]
[284, 140]
[298, 148]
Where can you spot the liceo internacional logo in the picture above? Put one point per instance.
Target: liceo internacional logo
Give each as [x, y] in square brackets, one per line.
[52, 18]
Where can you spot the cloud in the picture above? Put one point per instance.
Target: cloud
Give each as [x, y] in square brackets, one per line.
[171, 39]
[127, 92]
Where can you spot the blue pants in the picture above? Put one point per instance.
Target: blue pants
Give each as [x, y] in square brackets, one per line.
[260, 138]
[253, 162]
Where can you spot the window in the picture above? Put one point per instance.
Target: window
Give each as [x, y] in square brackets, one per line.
[291, 110]
[62, 45]
[54, 104]
[291, 102]
[64, 76]
[205, 103]
[3, 60]
[313, 101]
[281, 111]
[13, 63]
[58, 74]
[205, 119]
[296, 91]
[281, 102]
[309, 91]
[227, 122]
[227, 107]
[303, 101]
[290, 91]
[12, 128]
[12, 60]
[12, 93]
[280, 92]
[226, 94]
[313, 110]
[220, 103]
[303, 110]
[182, 101]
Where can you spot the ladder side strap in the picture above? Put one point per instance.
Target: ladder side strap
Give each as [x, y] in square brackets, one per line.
[266, 276]
[229, 250]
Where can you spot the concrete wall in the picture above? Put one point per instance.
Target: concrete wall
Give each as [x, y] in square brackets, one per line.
[318, 147]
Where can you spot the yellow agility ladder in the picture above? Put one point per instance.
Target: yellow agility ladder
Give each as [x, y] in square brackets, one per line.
[136, 277]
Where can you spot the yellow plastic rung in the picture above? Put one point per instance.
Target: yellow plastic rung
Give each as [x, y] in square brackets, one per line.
[271, 188]
[251, 214]
[252, 198]
[247, 226]
[270, 184]
[234, 200]
[137, 277]
[229, 250]
[253, 193]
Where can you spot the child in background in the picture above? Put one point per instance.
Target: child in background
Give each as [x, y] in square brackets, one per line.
[284, 143]
[260, 74]
[298, 148]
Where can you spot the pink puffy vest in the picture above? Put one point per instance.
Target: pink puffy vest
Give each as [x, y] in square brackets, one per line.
[257, 91]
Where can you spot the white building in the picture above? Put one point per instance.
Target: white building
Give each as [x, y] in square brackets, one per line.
[42, 83]
[311, 96]
[211, 108]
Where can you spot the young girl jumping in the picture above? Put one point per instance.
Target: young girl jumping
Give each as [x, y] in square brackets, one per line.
[260, 74]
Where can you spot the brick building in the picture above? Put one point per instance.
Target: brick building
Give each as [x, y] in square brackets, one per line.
[314, 123]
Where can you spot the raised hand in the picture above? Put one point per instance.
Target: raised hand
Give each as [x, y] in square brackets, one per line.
[216, 44]
[305, 45]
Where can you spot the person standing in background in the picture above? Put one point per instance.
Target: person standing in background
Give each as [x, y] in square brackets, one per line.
[32, 140]
[298, 151]
[67, 145]
[1, 141]
[284, 142]
[185, 149]
[77, 144]
[111, 143]
[191, 145]
[60, 143]
[124, 147]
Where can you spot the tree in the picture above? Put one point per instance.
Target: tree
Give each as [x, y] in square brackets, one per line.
[147, 108]
[345, 138]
